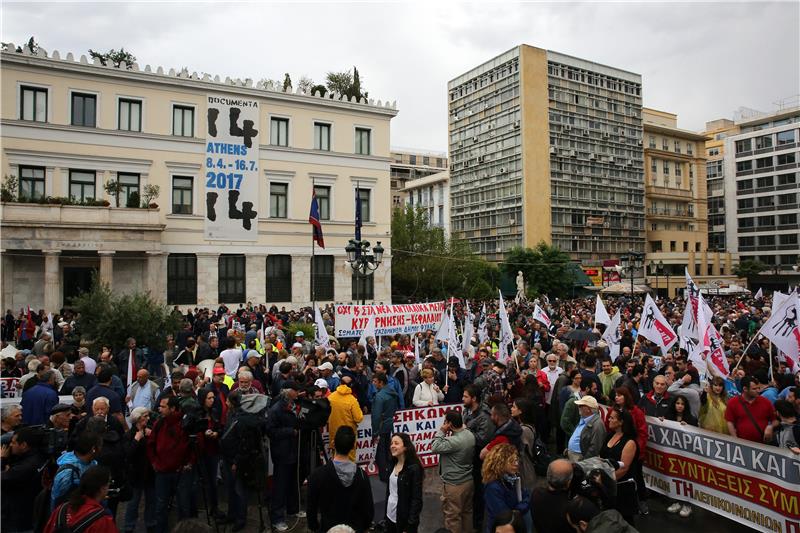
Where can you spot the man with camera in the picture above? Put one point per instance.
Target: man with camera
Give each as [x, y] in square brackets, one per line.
[21, 481]
[172, 458]
[283, 428]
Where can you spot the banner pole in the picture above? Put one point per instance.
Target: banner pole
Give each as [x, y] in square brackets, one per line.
[313, 251]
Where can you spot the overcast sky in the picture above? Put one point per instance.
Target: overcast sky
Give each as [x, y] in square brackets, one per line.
[701, 61]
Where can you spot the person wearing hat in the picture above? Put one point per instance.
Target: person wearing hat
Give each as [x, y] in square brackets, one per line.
[300, 338]
[60, 417]
[322, 387]
[283, 429]
[589, 435]
[330, 377]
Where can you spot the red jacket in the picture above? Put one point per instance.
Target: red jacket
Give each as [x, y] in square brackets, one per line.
[168, 445]
[640, 423]
[104, 524]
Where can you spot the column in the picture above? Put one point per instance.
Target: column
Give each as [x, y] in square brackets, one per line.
[52, 281]
[7, 280]
[155, 277]
[715, 264]
[107, 267]
[301, 279]
[704, 263]
[256, 278]
[208, 279]
[690, 263]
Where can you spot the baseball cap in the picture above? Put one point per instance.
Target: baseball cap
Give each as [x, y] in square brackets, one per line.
[299, 334]
[326, 366]
[297, 345]
[219, 370]
[588, 401]
[321, 383]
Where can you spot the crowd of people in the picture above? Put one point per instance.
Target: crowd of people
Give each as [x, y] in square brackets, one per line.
[193, 425]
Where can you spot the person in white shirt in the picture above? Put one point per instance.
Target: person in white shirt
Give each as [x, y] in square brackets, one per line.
[427, 392]
[552, 371]
[232, 357]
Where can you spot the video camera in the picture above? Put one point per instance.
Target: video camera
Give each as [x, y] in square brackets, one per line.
[49, 441]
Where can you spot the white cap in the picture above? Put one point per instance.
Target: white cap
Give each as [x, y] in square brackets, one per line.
[321, 383]
[326, 366]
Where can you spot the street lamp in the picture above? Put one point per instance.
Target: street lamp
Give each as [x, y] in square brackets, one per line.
[363, 261]
[660, 270]
[633, 261]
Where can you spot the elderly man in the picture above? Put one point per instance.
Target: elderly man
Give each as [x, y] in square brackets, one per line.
[131, 352]
[80, 378]
[549, 503]
[246, 384]
[143, 392]
[10, 418]
[89, 363]
[656, 402]
[39, 400]
[44, 346]
[589, 435]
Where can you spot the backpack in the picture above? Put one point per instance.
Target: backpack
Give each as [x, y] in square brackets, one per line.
[251, 460]
[541, 457]
[81, 526]
[41, 504]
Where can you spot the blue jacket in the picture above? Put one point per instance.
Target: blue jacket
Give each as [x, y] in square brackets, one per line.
[36, 404]
[384, 407]
[67, 478]
[500, 496]
[393, 383]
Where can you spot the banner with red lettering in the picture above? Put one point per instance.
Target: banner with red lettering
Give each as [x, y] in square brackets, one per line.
[420, 423]
[389, 319]
[751, 483]
[8, 387]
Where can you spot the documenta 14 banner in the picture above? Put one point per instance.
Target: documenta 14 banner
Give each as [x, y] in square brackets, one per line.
[754, 484]
[389, 319]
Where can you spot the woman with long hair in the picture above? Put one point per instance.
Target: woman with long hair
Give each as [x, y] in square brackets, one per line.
[714, 403]
[621, 447]
[624, 400]
[678, 411]
[210, 451]
[502, 486]
[85, 504]
[523, 411]
[404, 490]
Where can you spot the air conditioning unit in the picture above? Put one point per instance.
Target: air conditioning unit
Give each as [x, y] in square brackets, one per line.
[593, 157]
[585, 133]
[502, 170]
[489, 126]
[552, 149]
[475, 139]
[573, 153]
[630, 162]
[611, 160]
[639, 142]
[460, 144]
[605, 135]
[481, 158]
[516, 124]
[567, 128]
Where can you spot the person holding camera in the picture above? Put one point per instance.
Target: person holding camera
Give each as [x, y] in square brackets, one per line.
[172, 458]
[140, 472]
[21, 481]
[283, 428]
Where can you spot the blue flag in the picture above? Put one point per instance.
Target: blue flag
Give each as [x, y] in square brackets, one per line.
[313, 218]
[358, 213]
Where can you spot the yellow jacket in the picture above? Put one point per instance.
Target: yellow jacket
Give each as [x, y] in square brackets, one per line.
[345, 411]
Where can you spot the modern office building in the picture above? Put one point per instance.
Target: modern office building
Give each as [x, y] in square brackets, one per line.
[762, 195]
[716, 132]
[431, 193]
[83, 139]
[411, 165]
[547, 147]
[676, 208]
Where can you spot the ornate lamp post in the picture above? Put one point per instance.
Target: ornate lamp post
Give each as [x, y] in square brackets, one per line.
[363, 261]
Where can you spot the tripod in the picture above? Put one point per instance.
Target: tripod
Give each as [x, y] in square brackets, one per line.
[203, 487]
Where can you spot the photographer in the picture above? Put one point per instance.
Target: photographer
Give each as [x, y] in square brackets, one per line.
[140, 472]
[171, 456]
[283, 428]
[21, 481]
[111, 456]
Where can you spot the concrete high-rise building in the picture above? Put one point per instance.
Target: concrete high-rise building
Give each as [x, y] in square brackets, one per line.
[716, 132]
[762, 195]
[676, 200]
[431, 193]
[547, 147]
[411, 165]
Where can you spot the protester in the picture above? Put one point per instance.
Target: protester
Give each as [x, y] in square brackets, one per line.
[456, 448]
[283, 429]
[384, 406]
[502, 490]
[427, 392]
[585, 517]
[548, 504]
[85, 506]
[404, 490]
[587, 439]
[749, 416]
[20, 480]
[620, 447]
[345, 410]
[140, 472]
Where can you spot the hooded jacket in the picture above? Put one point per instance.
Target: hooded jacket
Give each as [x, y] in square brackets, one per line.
[510, 432]
[384, 406]
[339, 493]
[168, 445]
[651, 407]
[345, 411]
[283, 428]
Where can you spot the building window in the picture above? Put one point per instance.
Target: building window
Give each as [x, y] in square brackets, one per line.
[787, 220]
[31, 182]
[666, 168]
[654, 165]
[33, 104]
[677, 147]
[278, 198]
[363, 141]
[129, 184]
[786, 159]
[787, 199]
[672, 246]
[713, 152]
[231, 278]
[745, 242]
[84, 108]
[322, 278]
[364, 196]
[426, 161]
[130, 114]
[764, 182]
[743, 146]
[678, 171]
[785, 137]
[363, 287]
[183, 121]
[181, 279]
[323, 194]
[182, 195]
[82, 185]
[766, 221]
[744, 165]
[787, 239]
[690, 148]
[764, 162]
[322, 136]
[652, 142]
[766, 240]
[279, 278]
[664, 144]
[787, 179]
[763, 142]
[279, 131]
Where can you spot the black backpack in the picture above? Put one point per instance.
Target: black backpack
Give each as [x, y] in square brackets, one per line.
[81, 526]
[41, 504]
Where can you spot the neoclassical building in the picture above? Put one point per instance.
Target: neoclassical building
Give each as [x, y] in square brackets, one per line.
[83, 144]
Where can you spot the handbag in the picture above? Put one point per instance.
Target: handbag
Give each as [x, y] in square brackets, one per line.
[751, 417]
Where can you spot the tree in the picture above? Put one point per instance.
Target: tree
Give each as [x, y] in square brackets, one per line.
[321, 89]
[271, 85]
[546, 269]
[426, 266]
[749, 269]
[31, 45]
[287, 83]
[107, 318]
[116, 57]
[306, 84]
[339, 82]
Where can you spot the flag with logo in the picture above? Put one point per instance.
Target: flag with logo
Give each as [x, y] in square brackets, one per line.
[417, 358]
[654, 327]
[506, 334]
[712, 343]
[453, 346]
[600, 313]
[612, 335]
[321, 333]
[759, 294]
[483, 329]
[540, 316]
[466, 333]
[782, 327]
[313, 219]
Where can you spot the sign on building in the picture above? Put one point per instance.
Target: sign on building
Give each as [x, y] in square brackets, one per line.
[231, 169]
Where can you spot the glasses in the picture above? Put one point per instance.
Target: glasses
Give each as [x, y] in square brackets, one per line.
[552, 360]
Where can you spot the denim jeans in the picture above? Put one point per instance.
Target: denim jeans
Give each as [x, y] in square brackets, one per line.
[177, 485]
[285, 497]
[132, 508]
[208, 466]
[382, 456]
[237, 494]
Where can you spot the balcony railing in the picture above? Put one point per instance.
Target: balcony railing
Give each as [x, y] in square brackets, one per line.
[53, 214]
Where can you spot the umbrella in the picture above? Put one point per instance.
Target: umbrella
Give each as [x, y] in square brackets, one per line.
[581, 335]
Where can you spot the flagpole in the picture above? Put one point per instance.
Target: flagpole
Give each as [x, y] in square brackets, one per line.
[313, 251]
[758, 333]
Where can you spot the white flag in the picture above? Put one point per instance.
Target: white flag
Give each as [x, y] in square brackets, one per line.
[759, 294]
[131, 371]
[654, 327]
[695, 324]
[453, 346]
[782, 327]
[466, 333]
[444, 326]
[600, 313]
[322, 333]
[417, 359]
[540, 316]
[483, 330]
[506, 334]
[712, 343]
[369, 331]
[612, 335]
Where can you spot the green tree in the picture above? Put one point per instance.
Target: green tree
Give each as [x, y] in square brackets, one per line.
[545, 267]
[749, 269]
[287, 83]
[105, 317]
[346, 83]
[306, 84]
[116, 57]
[426, 266]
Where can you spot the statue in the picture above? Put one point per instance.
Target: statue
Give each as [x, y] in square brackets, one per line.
[520, 297]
